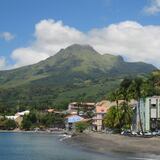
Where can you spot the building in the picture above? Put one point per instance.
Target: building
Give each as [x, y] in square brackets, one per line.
[80, 108]
[18, 117]
[149, 114]
[102, 108]
[51, 110]
[100, 111]
[22, 113]
[71, 120]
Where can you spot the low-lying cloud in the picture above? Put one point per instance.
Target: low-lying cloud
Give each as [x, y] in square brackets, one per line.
[153, 8]
[7, 36]
[130, 39]
[2, 63]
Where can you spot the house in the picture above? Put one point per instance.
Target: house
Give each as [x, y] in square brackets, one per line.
[102, 108]
[149, 114]
[100, 111]
[18, 117]
[80, 108]
[51, 110]
[71, 120]
[22, 113]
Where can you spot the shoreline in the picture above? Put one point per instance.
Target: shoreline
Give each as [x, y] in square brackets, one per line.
[22, 131]
[103, 143]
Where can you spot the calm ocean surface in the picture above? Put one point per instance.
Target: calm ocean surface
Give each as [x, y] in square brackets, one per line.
[32, 146]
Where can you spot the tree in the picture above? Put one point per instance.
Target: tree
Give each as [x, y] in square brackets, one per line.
[111, 119]
[47, 119]
[7, 124]
[10, 124]
[154, 83]
[125, 89]
[139, 90]
[126, 115]
[116, 96]
[26, 123]
[33, 117]
[81, 126]
[118, 118]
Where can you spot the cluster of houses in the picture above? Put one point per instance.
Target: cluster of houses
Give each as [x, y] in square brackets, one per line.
[77, 112]
[147, 115]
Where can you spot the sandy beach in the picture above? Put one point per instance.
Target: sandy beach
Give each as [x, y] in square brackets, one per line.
[102, 143]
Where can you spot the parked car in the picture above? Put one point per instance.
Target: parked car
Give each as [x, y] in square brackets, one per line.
[134, 133]
[155, 133]
[139, 133]
[148, 133]
[158, 133]
[126, 133]
[109, 131]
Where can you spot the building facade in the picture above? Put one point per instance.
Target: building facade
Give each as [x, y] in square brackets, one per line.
[149, 114]
[71, 120]
[80, 108]
[102, 108]
[98, 119]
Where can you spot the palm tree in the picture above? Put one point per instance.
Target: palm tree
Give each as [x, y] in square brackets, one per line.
[126, 114]
[111, 119]
[139, 90]
[125, 89]
[115, 97]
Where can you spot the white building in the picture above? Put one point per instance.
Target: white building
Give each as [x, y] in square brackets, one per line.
[18, 117]
[149, 114]
[22, 113]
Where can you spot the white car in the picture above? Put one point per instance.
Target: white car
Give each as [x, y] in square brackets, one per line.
[134, 133]
[147, 133]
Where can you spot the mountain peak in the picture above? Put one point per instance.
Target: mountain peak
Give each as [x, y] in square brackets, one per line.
[81, 48]
[77, 50]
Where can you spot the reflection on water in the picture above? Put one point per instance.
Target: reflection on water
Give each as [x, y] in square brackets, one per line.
[32, 146]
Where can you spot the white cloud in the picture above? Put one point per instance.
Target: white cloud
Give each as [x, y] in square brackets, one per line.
[153, 8]
[2, 63]
[129, 39]
[50, 36]
[27, 56]
[7, 36]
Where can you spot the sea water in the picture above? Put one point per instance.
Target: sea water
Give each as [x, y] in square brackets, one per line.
[36, 146]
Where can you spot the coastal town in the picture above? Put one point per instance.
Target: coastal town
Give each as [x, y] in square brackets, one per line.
[80, 80]
[93, 114]
[132, 109]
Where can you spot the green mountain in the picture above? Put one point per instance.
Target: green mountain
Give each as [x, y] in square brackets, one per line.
[75, 73]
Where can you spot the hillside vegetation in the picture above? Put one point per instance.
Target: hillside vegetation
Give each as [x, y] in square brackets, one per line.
[77, 73]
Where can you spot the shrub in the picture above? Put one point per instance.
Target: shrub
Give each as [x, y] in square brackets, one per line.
[81, 126]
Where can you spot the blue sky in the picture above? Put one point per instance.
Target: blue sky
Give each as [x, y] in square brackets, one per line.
[19, 17]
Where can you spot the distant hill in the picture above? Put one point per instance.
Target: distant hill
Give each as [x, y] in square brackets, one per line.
[75, 73]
